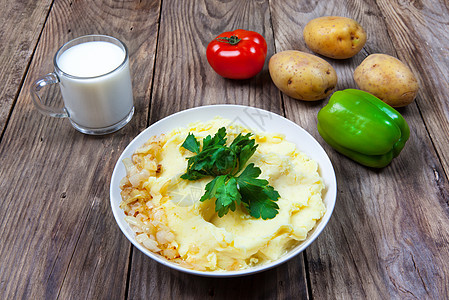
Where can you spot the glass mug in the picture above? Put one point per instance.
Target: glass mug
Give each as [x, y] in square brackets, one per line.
[93, 75]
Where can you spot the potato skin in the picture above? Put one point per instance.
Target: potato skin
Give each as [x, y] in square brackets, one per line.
[387, 78]
[334, 37]
[302, 75]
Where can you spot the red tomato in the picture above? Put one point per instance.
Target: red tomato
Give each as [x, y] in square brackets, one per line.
[238, 54]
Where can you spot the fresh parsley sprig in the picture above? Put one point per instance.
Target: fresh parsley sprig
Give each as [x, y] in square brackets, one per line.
[224, 162]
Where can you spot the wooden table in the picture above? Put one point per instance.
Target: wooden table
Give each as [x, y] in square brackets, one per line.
[389, 233]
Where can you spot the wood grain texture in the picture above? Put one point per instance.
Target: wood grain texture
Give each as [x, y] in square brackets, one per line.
[419, 31]
[21, 23]
[154, 281]
[416, 30]
[183, 79]
[387, 239]
[59, 238]
[378, 244]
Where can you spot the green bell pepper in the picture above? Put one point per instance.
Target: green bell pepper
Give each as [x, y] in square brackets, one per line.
[363, 127]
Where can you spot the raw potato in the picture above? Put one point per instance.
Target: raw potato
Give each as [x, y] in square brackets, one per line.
[302, 75]
[334, 37]
[387, 78]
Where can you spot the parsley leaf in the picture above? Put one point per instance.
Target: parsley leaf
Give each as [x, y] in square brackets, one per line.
[258, 197]
[223, 163]
[191, 144]
[224, 189]
[228, 196]
[218, 139]
[244, 148]
[204, 163]
[211, 188]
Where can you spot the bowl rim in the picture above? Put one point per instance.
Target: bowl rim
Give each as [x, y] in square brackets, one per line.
[330, 192]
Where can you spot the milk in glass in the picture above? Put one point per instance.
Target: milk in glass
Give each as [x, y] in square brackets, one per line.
[96, 86]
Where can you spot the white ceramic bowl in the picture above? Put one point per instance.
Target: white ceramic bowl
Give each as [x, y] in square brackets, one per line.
[250, 117]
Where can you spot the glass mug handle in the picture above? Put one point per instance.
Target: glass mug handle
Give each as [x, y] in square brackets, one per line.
[50, 78]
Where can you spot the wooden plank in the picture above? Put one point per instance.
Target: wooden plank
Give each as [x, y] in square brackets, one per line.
[59, 238]
[388, 237]
[154, 281]
[183, 79]
[418, 32]
[20, 26]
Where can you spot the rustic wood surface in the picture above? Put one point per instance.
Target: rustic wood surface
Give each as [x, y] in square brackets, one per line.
[21, 23]
[388, 236]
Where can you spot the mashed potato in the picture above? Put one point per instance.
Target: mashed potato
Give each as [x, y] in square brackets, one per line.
[168, 218]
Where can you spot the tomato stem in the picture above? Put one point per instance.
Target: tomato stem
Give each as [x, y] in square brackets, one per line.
[232, 40]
